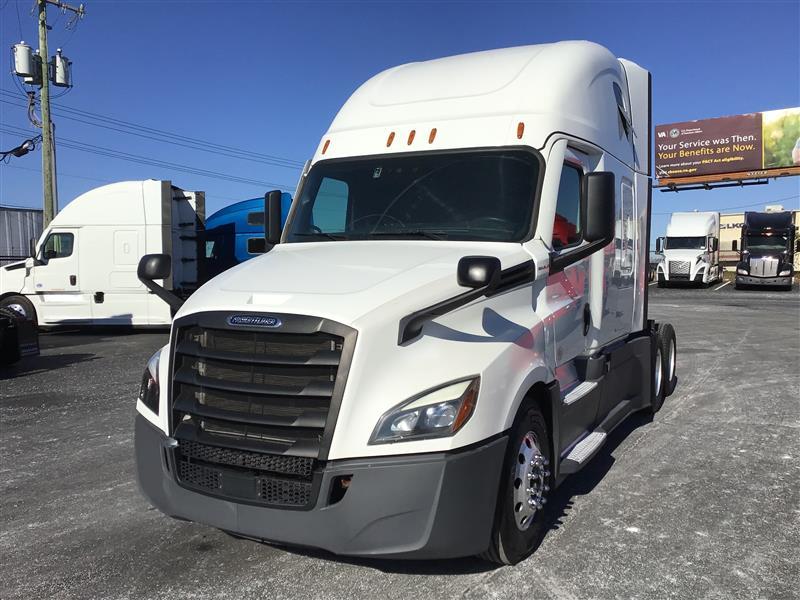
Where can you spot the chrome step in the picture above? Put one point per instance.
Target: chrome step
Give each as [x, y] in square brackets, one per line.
[582, 452]
[579, 391]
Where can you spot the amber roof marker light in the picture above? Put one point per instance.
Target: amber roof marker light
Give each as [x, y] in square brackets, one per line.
[520, 130]
[390, 139]
[325, 146]
[432, 135]
[411, 135]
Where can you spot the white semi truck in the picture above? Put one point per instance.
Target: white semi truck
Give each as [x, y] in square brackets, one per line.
[82, 270]
[444, 330]
[690, 249]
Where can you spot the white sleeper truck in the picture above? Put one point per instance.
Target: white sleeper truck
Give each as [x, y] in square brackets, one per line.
[453, 319]
[690, 249]
[82, 271]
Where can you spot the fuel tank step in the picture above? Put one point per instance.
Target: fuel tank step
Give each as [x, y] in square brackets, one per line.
[582, 452]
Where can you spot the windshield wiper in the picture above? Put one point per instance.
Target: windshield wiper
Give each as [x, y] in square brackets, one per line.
[411, 233]
[330, 236]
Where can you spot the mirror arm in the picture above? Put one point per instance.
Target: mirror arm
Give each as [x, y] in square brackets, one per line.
[411, 325]
[560, 261]
[171, 299]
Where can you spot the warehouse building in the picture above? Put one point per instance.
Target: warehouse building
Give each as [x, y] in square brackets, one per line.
[17, 227]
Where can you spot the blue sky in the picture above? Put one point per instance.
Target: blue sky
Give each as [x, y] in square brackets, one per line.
[268, 77]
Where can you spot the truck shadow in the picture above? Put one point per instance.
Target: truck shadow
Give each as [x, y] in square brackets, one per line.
[555, 514]
[41, 364]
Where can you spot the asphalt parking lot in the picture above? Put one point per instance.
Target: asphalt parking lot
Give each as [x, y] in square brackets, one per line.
[702, 502]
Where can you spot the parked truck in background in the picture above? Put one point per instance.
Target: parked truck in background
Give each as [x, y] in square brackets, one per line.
[444, 330]
[236, 233]
[766, 250]
[83, 268]
[690, 249]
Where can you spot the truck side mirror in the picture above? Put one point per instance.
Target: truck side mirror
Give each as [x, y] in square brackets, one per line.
[158, 266]
[479, 271]
[659, 245]
[32, 247]
[273, 225]
[714, 244]
[598, 210]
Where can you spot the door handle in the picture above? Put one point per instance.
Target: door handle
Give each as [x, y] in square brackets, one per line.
[73, 280]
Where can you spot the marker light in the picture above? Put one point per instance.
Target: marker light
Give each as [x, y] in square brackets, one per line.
[432, 135]
[411, 135]
[390, 139]
[520, 130]
[325, 146]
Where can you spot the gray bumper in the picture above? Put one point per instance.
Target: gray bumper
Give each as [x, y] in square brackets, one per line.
[419, 506]
[777, 281]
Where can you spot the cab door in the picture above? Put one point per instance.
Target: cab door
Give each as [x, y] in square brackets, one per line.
[57, 280]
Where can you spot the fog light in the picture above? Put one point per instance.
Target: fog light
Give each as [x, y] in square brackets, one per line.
[741, 271]
[785, 273]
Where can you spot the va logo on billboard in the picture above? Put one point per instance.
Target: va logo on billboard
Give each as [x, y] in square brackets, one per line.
[674, 132]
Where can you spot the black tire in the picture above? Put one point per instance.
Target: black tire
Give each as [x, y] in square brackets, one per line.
[669, 354]
[24, 303]
[657, 394]
[509, 543]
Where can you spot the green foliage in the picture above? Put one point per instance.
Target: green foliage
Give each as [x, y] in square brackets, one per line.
[780, 136]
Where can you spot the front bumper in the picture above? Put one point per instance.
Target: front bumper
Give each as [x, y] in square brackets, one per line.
[776, 281]
[438, 505]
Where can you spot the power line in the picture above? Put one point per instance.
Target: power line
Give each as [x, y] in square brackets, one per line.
[73, 176]
[743, 205]
[112, 153]
[168, 137]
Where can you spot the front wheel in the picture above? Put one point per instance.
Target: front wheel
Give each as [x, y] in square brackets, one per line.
[519, 525]
[22, 306]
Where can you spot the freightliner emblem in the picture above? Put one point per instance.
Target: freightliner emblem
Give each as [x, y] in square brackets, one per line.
[254, 321]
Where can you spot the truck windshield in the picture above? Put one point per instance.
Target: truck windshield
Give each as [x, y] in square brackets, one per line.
[766, 243]
[685, 243]
[475, 195]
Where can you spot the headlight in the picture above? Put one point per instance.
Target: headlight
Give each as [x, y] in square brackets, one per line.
[437, 413]
[785, 273]
[741, 271]
[148, 392]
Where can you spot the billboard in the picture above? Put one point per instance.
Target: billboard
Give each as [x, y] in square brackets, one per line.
[756, 145]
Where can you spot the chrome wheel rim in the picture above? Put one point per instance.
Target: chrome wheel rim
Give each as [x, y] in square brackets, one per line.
[18, 308]
[671, 371]
[530, 481]
[657, 374]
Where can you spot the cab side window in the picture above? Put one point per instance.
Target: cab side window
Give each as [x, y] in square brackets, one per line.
[58, 245]
[567, 225]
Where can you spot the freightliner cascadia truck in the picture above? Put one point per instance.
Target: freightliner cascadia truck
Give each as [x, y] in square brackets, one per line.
[767, 250]
[445, 328]
[82, 270]
[690, 249]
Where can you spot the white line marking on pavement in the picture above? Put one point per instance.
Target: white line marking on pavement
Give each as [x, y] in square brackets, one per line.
[652, 283]
[722, 286]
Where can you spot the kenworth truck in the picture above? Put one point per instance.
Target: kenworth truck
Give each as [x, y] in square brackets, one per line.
[767, 250]
[690, 249]
[443, 331]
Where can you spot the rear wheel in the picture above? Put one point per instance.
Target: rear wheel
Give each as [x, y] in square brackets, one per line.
[526, 479]
[669, 353]
[22, 306]
[657, 397]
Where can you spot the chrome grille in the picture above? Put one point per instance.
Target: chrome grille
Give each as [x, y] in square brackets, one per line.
[764, 267]
[679, 268]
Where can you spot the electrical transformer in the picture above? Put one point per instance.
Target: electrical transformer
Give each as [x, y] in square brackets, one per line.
[62, 67]
[24, 65]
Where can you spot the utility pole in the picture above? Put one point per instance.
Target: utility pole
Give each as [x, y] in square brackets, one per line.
[56, 71]
[48, 171]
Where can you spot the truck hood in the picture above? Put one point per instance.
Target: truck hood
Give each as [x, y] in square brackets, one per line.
[687, 255]
[347, 279]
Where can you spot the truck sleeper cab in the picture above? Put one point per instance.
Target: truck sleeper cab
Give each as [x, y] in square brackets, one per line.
[767, 250]
[454, 320]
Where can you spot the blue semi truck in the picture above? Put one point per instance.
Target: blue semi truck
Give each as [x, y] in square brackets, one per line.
[235, 234]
